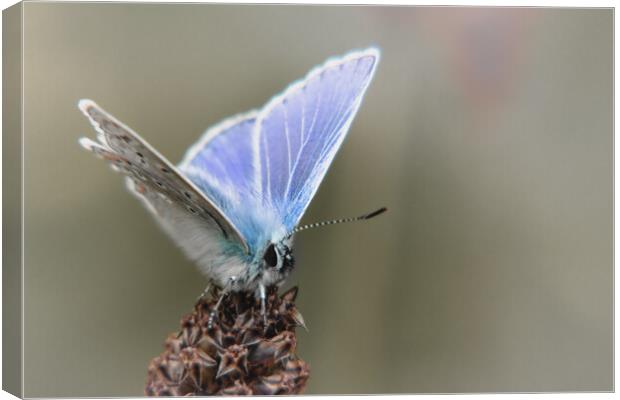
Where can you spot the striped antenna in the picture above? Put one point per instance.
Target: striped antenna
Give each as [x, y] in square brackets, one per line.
[338, 221]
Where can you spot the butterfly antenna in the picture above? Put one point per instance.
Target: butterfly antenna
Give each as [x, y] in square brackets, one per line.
[338, 221]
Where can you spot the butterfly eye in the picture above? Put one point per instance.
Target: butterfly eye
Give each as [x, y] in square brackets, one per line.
[271, 257]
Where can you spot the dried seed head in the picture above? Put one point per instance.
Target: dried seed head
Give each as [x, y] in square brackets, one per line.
[242, 353]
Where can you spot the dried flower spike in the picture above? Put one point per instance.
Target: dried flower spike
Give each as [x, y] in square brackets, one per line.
[242, 353]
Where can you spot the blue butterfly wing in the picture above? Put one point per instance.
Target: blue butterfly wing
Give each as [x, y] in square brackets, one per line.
[220, 163]
[262, 169]
[299, 132]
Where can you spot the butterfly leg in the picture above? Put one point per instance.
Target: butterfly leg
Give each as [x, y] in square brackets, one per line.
[261, 289]
[205, 292]
[225, 291]
[214, 310]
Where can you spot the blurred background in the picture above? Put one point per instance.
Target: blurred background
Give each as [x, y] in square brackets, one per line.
[487, 132]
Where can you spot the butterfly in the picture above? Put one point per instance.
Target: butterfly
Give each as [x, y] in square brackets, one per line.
[234, 202]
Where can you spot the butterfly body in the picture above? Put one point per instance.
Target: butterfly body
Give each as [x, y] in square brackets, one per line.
[234, 201]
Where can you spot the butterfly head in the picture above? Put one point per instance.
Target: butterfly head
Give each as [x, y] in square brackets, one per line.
[278, 256]
[277, 262]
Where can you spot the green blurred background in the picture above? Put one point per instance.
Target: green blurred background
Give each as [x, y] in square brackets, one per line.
[487, 132]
